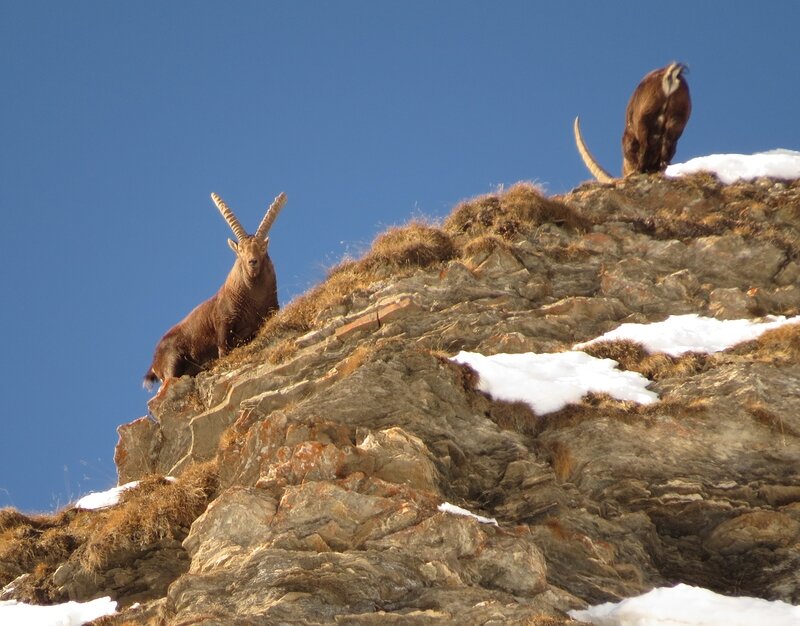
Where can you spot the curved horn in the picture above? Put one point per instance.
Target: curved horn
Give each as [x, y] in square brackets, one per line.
[594, 167]
[269, 217]
[236, 227]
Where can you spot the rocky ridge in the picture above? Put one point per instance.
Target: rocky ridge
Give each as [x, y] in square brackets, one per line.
[311, 463]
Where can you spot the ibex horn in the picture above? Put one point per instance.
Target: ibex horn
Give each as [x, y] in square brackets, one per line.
[270, 216]
[594, 167]
[236, 227]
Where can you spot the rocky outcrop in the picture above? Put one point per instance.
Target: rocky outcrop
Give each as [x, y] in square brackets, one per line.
[339, 431]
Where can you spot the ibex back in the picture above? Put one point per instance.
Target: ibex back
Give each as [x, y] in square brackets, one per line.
[656, 115]
[233, 315]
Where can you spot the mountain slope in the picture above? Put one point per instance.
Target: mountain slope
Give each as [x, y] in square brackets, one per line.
[325, 447]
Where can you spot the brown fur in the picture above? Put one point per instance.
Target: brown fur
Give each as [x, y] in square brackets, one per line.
[655, 117]
[231, 317]
[654, 120]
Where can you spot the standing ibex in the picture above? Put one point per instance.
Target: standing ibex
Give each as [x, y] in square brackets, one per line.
[654, 120]
[230, 317]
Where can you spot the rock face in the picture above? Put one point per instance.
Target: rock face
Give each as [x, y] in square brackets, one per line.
[338, 432]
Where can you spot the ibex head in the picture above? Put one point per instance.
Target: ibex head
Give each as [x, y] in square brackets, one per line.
[251, 250]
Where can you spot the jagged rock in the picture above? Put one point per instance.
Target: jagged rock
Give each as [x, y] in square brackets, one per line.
[336, 436]
[768, 529]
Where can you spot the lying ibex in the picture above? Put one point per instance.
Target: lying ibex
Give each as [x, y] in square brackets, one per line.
[230, 317]
[654, 121]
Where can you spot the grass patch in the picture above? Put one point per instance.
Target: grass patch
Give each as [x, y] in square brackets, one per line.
[632, 356]
[769, 418]
[396, 253]
[519, 209]
[157, 509]
[37, 543]
[780, 346]
[154, 510]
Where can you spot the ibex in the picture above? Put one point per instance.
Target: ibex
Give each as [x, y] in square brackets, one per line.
[654, 121]
[233, 315]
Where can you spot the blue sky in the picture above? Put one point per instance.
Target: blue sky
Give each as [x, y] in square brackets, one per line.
[117, 120]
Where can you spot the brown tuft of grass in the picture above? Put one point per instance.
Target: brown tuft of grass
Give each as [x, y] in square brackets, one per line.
[484, 245]
[515, 416]
[592, 405]
[230, 439]
[780, 345]
[11, 518]
[354, 360]
[742, 217]
[414, 245]
[632, 356]
[519, 209]
[765, 415]
[282, 351]
[396, 252]
[154, 510]
[629, 354]
[602, 406]
[562, 461]
[37, 542]
[465, 377]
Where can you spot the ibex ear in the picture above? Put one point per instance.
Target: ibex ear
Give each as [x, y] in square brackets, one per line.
[266, 241]
[234, 246]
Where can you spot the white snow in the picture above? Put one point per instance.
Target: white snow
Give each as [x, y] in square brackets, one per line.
[67, 614]
[549, 382]
[691, 333]
[783, 164]
[104, 499]
[446, 507]
[684, 605]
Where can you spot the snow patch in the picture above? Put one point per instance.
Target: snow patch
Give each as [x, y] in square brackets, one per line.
[446, 507]
[67, 614]
[691, 333]
[549, 382]
[105, 499]
[780, 163]
[684, 605]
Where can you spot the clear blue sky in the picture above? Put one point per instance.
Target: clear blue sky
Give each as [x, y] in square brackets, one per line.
[117, 120]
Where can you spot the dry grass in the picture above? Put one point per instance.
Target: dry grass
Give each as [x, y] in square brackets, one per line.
[519, 417]
[485, 245]
[39, 541]
[515, 416]
[415, 245]
[665, 224]
[775, 422]
[780, 346]
[465, 377]
[593, 406]
[491, 221]
[347, 366]
[519, 209]
[599, 405]
[395, 253]
[561, 460]
[632, 356]
[698, 205]
[155, 510]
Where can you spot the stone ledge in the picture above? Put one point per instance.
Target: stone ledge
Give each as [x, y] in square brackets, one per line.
[372, 321]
